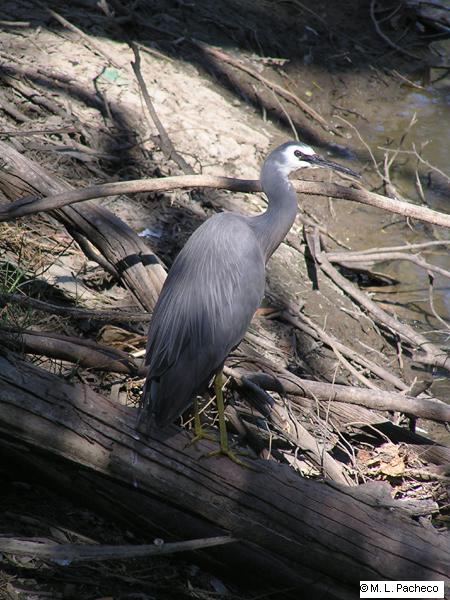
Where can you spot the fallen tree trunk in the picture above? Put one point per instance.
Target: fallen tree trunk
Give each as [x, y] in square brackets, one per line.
[117, 247]
[333, 399]
[315, 537]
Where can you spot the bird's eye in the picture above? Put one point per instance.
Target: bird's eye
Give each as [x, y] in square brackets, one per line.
[298, 154]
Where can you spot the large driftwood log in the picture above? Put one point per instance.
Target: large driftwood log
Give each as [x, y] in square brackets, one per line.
[333, 400]
[120, 250]
[317, 537]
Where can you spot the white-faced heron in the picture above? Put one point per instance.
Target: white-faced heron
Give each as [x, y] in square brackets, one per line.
[212, 291]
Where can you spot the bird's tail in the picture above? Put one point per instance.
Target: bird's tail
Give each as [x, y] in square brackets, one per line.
[165, 398]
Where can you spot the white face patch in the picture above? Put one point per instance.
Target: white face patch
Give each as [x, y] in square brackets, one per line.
[290, 162]
[304, 149]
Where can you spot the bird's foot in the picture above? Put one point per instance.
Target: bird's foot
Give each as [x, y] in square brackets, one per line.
[201, 434]
[225, 451]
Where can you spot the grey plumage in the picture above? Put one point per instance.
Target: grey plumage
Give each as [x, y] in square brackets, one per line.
[193, 326]
[213, 289]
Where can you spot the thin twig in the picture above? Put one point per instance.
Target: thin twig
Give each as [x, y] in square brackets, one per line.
[284, 111]
[404, 135]
[389, 249]
[73, 312]
[305, 324]
[166, 143]
[422, 160]
[343, 257]
[386, 38]
[84, 552]
[364, 143]
[431, 300]
[219, 54]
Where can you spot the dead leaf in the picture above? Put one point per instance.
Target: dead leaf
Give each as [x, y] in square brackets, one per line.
[394, 468]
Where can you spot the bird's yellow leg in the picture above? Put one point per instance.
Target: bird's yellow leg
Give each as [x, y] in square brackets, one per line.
[218, 390]
[198, 429]
[224, 448]
[200, 433]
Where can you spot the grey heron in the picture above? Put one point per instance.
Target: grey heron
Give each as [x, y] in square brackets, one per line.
[212, 291]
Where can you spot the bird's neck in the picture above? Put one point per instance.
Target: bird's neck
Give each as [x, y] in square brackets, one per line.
[272, 226]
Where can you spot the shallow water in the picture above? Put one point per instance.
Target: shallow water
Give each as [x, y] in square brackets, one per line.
[431, 136]
[431, 106]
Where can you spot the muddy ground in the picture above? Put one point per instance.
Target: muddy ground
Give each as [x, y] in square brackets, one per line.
[222, 122]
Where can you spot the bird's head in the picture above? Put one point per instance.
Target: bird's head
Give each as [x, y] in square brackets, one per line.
[295, 155]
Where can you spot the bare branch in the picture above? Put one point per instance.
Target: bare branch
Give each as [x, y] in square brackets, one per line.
[305, 324]
[74, 312]
[33, 204]
[83, 552]
[220, 55]
[343, 257]
[85, 353]
[166, 143]
[288, 383]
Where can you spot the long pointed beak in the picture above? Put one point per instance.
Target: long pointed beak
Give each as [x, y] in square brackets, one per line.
[318, 161]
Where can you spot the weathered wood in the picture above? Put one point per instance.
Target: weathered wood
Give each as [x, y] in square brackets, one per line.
[85, 353]
[288, 383]
[334, 399]
[98, 552]
[63, 197]
[325, 537]
[128, 254]
[110, 316]
[325, 397]
[91, 355]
